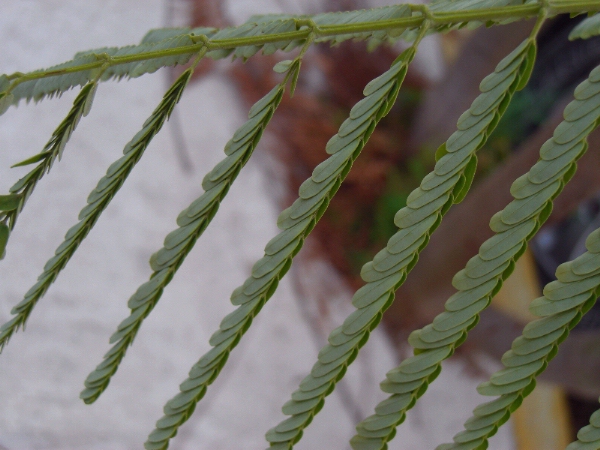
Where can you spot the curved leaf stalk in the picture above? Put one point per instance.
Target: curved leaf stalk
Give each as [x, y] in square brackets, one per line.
[20, 191]
[296, 222]
[447, 184]
[564, 301]
[170, 47]
[588, 438]
[97, 201]
[192, 222]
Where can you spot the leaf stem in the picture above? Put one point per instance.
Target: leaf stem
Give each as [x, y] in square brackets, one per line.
[306, 29]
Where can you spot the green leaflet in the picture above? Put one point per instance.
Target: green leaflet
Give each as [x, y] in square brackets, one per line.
[592, 243]
[543, 307]
[4, 83]
[89, 216]
[32, 160]
[282, 66]
[9, 202]
[6, 99]
[4, 234]
[585, 265]
[586, 29]
[517, 373]
[295, 222]
[557, 290]
[193, 221]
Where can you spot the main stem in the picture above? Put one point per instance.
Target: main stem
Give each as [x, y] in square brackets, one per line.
[307, 28]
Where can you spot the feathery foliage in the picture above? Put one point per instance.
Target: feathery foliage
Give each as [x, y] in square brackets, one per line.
[295, 222]
[483, 276]
[562, 306]
[97, 202]
[447, 184]
[13, 203]
[192, 222]
[564, 301]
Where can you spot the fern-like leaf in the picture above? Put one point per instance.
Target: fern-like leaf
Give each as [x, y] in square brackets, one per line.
[53, 150]
[448, 183]
[296, 222]
[192, 222]
[97, 201]
[477, 283]
[564, 301]
[562, 306]
[588, 438]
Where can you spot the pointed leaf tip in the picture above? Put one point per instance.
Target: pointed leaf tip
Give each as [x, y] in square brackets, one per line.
[4, 234]
[283, 66]
[5, 102]
[527, 66]
[32, 159]
[9, 202]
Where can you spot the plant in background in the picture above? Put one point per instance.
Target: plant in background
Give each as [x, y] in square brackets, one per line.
[561, 307]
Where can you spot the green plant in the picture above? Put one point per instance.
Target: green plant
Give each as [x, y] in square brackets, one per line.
[563, 303]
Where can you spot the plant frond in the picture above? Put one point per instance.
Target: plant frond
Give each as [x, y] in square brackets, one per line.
[564, 301]
[296, 222]
[588, 438]
[98, 200]
[448, 183]
[53, 150]
[484, 274]
[192, 222]
[561, 307]
[104, 61]
[588, 28]
[168, 47]
[345, 341]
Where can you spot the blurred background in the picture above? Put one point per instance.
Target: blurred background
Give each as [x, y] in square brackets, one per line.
[42, 370]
